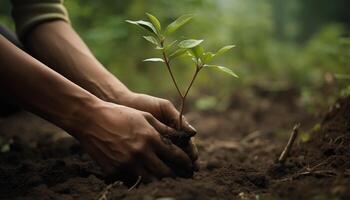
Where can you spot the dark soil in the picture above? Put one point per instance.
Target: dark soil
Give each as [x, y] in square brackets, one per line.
[238, 152]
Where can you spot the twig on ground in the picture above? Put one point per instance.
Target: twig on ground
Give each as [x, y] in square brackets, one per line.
[311, 171]
[136, 184]
[318, 165]
[251, 136]
[307, 173]
[285, 152]
[105, 192]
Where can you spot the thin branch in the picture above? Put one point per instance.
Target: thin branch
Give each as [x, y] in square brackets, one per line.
[191, 83]
[136, 184]
[167, 63]
[309, 173]
[106, 191]
[185, 95]
[285, 152]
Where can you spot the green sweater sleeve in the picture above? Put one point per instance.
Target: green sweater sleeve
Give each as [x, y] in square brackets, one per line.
[29, 13]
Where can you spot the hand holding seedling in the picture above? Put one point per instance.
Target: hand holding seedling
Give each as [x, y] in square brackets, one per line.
[127, 143]
[170, 51]
[165, 112]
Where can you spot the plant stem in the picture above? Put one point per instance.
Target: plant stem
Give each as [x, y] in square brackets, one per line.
[167, 63]
[182, 96]
[183, 99]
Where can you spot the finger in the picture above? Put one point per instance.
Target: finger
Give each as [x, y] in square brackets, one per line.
[157, 167]
[174, 157]
[191, 150]
[164, 130]
[172, 114]
[180, 138]
[196, 166]
[188, 127]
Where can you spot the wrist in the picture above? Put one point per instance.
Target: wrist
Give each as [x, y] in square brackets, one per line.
[131, 99]
[110, 89]
[80, 115]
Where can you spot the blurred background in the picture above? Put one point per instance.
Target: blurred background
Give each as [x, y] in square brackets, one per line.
[302, 45]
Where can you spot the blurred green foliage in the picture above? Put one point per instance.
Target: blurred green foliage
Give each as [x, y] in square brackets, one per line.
[279, 43]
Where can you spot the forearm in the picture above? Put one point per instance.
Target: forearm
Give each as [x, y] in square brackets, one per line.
[42, 90]
[57, 45]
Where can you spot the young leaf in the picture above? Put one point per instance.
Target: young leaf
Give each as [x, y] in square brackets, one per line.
[223, 69]
[155, 22]
[193, 57]
[224, 50]
[177, 53]
[178, 23]
[151, 39]
[154, 60]
[145, 25]
[207, 57]
[189, 44]
[198, 51]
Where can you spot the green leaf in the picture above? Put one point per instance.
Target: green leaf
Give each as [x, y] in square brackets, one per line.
[198, 51]
[190, 54]
[151, 39]
[223, 69]
[178, 23]
[154, 60]
[189, 44]
[155, 22]
[207, 57]
[145, 25]
[224, 50]
[170, 45]
[177, 53]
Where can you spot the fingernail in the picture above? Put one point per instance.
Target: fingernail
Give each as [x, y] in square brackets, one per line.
[193, 130]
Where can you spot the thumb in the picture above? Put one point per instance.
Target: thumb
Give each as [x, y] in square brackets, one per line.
[161, 128]
[188, 128]
[179, 138]
[174, 114]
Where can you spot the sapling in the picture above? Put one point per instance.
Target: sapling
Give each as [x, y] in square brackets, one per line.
[170, 50]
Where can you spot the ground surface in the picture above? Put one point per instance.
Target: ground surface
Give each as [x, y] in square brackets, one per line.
[238, 149]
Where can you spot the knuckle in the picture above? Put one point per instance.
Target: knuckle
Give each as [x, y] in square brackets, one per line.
[147, 115]
[147, 137]
[143, 114]
[138, 150]
[168, 103]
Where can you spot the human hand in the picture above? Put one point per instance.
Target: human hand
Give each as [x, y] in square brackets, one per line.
[165, 112]
[126, 141]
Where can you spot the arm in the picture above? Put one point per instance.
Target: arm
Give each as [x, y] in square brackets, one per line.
[58, 45]
[43, 26]
[115, 136]
[31, 83]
